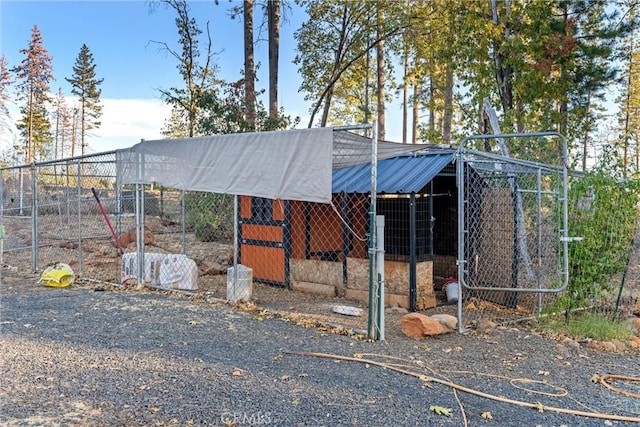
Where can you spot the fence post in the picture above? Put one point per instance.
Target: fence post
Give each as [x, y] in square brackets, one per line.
[34, 217]
[79, 195]
[380, 268]
[372, 235]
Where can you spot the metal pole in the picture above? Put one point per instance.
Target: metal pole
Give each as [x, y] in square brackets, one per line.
[2, 230]
[345, 240]
[1, 194]
[413, 291]
[372, 235]
[21, 190]
[432, 220]
[461, 230]
[183, 220]
[380, 266]
[79, 196]
[139, 252]
[34, 218]
[539, 272]
[68, 197]
[236, 245]
[564, 236]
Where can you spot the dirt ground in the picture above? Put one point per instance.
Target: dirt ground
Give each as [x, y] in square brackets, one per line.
[101, 264]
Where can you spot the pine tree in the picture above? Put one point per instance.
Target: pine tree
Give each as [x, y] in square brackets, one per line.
[249, 63]
[85, 86]
[175, 126]
[5, 84]
[62, 132]
[629, 102]
[33, 76]
[198, 76]
[273, 18]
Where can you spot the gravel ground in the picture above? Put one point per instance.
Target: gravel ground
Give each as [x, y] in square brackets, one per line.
[78, 357]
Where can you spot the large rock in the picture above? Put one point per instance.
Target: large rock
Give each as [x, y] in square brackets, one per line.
[634, 322]
[148, 235]
[419, 326]
[212, 268]
[448, 321]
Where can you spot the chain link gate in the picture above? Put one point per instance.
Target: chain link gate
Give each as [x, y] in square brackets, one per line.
[512, 233]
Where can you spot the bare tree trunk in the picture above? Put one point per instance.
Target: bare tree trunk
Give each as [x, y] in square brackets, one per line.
[563, 75]
[504, 71]
[327, 108]
[628, 113]
[82, 130]
[249, 66]
[367, 101]
[74, 132]
[57, 132]
[29, 153]
[405, 99]
[448, 105]
[273, 18]
[63, 135]
[432, 102]
[585, 140]
[380, 73]
[416, 112]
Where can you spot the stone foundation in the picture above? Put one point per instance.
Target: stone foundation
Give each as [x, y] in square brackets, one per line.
[322, 276]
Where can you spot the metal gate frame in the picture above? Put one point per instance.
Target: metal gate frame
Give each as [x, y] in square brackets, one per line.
[463, 232]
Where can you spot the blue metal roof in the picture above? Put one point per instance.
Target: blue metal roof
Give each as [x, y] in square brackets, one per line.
[396, 175]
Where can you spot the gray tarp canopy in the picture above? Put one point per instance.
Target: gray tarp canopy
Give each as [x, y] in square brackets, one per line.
[291, 165]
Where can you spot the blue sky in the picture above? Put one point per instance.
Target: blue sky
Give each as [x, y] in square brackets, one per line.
[119, 34]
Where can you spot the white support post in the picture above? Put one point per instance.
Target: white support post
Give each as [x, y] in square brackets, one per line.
[380, 270]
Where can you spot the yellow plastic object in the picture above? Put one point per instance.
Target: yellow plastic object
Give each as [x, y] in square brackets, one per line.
[58, 276]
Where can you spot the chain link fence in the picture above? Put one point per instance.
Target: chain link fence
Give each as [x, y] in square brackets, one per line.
[49, 211]
[605, 263]
[523, 253]
[512, 237]
[303, 257]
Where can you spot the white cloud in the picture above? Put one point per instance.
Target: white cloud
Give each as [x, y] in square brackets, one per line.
[126, 121]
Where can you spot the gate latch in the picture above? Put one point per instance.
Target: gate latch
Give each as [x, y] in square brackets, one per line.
[571, 239]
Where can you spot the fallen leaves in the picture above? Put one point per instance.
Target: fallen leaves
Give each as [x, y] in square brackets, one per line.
[487, 415]
[440, 410]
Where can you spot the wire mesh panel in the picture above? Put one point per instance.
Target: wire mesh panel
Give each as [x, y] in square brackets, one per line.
[50, 212]
[222, 245]
[77, 211]
[16, 214]
[605, 263]
[513, 219]
[83, 212]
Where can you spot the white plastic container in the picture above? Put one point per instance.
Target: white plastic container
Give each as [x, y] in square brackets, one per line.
[163, 271]
[451, 289]
[242, 290]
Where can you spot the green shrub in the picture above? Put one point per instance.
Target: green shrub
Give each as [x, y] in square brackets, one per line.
[587, 325]
[605, 213]
[210, 216]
